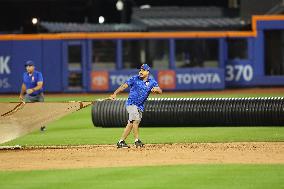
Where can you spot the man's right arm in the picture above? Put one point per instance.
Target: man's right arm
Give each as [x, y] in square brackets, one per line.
[118, 90]
[23, 89]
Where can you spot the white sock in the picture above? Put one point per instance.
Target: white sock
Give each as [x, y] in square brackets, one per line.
[136, 140]
[120, 140]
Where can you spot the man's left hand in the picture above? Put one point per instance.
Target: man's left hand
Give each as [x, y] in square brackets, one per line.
[156, 90]
[112, 97]
[30, 91]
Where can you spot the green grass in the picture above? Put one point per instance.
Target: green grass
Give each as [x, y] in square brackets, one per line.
[230, 176]
[79, 132]
[91, 97]
[77, 129]
[14, 98]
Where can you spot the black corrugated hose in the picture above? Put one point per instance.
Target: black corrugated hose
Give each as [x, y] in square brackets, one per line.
[268, 111]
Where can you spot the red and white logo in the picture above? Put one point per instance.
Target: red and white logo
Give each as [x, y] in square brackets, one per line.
[167, 79]
[100, 81]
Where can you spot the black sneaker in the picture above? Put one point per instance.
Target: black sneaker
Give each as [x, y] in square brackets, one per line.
[139, 143]
[42, 128]
[122, 144]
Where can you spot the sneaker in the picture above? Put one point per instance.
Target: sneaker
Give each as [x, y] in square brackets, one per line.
[42, 128]
[122, 144]
[139, 143]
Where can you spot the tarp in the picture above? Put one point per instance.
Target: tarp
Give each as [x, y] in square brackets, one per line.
[18, 119]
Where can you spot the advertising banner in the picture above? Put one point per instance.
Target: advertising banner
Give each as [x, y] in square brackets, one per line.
[6, 72]
[239, 73]
[109, 80]
[181, 79]
[13, 55]
[192, 79]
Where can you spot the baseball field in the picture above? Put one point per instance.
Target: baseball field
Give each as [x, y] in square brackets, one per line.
[72, 153]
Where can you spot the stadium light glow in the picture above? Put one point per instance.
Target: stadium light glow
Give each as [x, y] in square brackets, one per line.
[119, 5]
[34, 21]
[101, 19]
[145, 6]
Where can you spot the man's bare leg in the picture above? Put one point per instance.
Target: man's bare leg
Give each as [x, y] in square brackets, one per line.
[126, 131]
[138, 142]
[136, 129]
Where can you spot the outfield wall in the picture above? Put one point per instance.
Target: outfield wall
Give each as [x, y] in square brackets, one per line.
[52, 54]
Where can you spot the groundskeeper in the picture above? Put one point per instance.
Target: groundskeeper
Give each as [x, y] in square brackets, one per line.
[141, 86]
[32, 86]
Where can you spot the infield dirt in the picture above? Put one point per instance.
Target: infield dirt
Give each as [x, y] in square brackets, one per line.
[36, 158]
[65, 157]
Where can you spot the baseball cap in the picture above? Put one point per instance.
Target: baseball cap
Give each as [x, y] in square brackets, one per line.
[145, 67]
[29, 63]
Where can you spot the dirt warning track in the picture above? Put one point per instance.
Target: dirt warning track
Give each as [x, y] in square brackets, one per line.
[35, 158]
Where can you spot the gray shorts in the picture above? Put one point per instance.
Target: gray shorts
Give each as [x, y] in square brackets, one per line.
[134, 113]
[37, 98]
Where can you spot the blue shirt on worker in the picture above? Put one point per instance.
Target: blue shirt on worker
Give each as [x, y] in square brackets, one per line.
[139, 90]
[31, 80]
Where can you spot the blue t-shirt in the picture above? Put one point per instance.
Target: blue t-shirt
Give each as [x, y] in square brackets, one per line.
[30, 80]
[139, 91]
